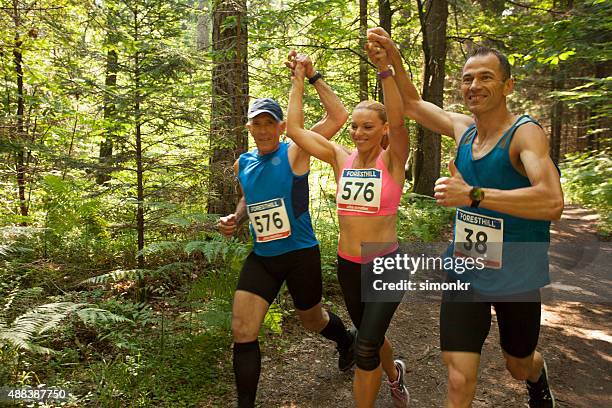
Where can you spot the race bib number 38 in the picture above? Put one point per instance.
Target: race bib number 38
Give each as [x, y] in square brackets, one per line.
[359, 190]
[269, 220]
[479, 236]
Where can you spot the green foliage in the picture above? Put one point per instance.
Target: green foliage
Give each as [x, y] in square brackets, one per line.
[192, 369]
[214, 315]
[587, 180]
[14, 241]
[216, 284]
[274, 318]
[421, 219]
[22, 332]
[117, 275]
[218, 249]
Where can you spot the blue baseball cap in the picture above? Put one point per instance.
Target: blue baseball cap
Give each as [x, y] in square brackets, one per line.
[266, 105]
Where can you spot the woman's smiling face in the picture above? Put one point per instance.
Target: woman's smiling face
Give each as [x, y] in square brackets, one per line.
[367, 128]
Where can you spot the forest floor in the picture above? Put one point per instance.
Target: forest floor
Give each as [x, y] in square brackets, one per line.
[299, 370]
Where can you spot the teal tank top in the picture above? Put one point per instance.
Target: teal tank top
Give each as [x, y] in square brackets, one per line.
[524, 253]
[277, 202]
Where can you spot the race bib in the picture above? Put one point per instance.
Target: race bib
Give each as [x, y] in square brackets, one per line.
[359, 190]
[269, 220]
[474, 234]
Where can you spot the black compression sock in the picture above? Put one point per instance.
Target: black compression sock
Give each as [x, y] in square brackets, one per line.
[336, 331]
[247, 366]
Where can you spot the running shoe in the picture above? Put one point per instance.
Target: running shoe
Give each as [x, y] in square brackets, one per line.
[346, 356]
[540, 395]
[399, 392]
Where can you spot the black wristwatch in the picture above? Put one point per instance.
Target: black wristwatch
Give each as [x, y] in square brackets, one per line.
[315, 78]
[476, 195]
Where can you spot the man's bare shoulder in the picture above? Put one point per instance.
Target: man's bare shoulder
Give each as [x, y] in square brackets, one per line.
[460, 123]
[530, 136]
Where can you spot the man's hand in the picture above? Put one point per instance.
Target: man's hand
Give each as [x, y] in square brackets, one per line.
[452, 191]
[378, 55]
[380, 36]
[228, 225]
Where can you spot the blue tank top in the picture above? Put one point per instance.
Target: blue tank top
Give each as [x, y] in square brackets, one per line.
[277, 202]
[525, 249]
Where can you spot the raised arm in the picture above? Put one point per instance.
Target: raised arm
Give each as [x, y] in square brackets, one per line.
[335, 112]
[399, 142]
[309, 141]
[423, 112]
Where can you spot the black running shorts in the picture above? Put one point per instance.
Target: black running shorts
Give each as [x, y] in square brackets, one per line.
[464, 326]
[264, 276]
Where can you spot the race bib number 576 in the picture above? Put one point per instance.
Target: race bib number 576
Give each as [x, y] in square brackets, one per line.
[479, 236]
[269, 220]
[359, 190]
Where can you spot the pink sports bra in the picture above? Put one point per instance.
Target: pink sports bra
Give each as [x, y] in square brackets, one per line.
[367, 192]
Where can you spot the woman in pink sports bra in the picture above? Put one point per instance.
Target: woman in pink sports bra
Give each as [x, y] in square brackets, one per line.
[369, 186]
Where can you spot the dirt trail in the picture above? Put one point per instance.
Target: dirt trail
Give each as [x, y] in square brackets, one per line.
[576, 340]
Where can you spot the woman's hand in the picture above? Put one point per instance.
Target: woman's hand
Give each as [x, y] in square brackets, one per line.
[299, 72]
[301, 62]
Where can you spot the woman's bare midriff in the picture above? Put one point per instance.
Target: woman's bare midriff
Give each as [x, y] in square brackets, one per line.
[357, 230]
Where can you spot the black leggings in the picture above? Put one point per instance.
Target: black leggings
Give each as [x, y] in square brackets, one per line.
[370, 318]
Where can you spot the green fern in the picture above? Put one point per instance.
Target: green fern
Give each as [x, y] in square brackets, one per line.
[164, 270]
[24, 330]
[17, 295]
[95, 316]
[9, 237]
[117, 275]
[217, 248]
[161, 246]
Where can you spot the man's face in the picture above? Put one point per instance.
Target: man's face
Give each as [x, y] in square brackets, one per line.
[266, 131]
[483, 85]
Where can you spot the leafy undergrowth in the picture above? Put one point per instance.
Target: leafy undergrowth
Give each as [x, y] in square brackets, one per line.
[91, 337]
[421, 219]
[586, 181]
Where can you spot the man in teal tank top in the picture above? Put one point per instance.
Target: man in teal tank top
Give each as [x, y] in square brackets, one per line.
[507, 190]
[274, 184]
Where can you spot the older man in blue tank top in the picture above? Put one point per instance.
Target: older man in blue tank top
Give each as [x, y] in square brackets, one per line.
[274, 182]
[507, 190]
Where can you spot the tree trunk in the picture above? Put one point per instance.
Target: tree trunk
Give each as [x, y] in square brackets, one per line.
[384, 15]
[426, 167]
[363, 63]
[20, 153]
[106, 146]
[21, 166]
[203, 27]
[230, 90]
[140, 219]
